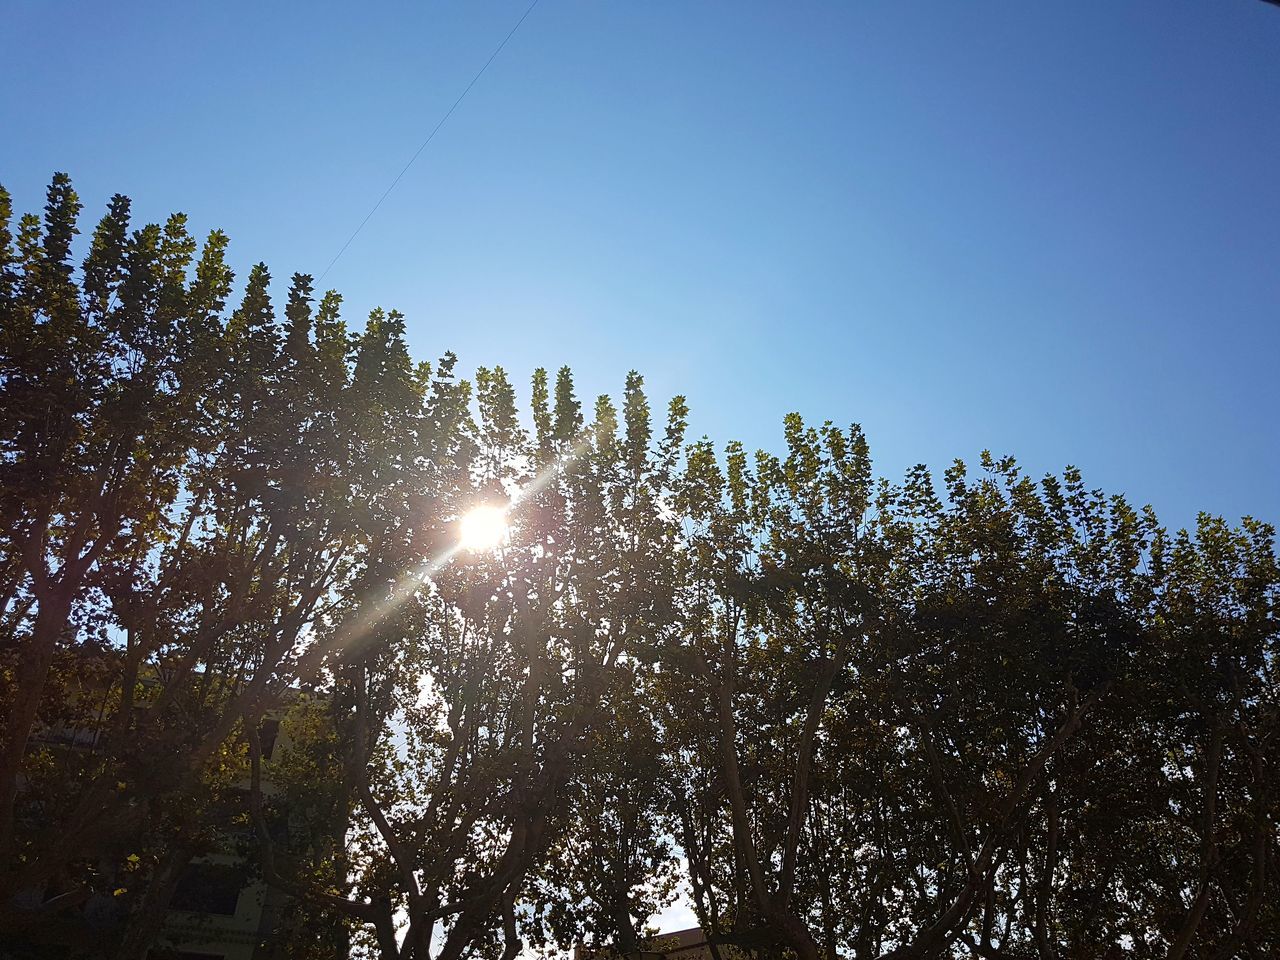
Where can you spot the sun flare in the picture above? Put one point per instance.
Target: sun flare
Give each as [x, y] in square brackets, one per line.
[482, 528]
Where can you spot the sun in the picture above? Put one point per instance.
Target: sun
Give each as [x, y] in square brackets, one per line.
[482, 528]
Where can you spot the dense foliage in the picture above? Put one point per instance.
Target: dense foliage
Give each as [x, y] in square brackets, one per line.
[982, 716]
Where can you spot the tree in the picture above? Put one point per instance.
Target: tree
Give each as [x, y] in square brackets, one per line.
[778, 583]
[1018, 641]
[980, 716]
[188, 496]
[468, 709]
[612, 864]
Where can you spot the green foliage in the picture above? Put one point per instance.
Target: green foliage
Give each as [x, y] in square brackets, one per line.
[981, 714]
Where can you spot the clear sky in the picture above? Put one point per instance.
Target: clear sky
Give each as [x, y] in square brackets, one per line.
[1052, 230]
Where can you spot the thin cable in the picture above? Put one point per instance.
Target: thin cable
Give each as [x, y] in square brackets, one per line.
[386, 193]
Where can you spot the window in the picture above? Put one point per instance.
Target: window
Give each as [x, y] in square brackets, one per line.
[209, 888]
[267, 734]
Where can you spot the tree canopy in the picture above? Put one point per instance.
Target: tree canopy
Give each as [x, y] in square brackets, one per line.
[970, 715]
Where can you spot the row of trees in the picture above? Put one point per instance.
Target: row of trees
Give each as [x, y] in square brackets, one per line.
[977, 716]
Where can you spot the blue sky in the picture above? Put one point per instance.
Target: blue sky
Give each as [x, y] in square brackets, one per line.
[1051, 230]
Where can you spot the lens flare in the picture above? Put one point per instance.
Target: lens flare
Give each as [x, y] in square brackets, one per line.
[482, 528]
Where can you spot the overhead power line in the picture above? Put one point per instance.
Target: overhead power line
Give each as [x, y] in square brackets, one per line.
[434, 130]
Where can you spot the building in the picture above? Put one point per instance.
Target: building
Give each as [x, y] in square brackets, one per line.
[688, 944]
[219, 910]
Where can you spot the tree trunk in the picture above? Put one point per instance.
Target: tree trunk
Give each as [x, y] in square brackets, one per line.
[147, 920]
[35, 660]
[1208, 848]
